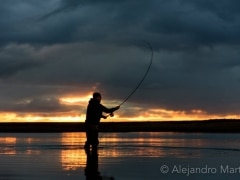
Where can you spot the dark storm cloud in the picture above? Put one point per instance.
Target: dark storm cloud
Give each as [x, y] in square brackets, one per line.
[226, 10]
[29, 97]
[80, 44]
[46, 104]
[38, 104]
[14, 59]
[167, 24]
[10, 68]
[189, 24]
[64, 6]
[69, 5]
[205, 79]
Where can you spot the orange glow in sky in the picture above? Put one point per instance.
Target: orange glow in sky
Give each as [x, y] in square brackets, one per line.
[76, 99]
[78, 115]
[147, 116]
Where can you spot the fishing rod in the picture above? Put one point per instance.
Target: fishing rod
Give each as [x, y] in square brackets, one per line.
[141, 81]
[144, 76]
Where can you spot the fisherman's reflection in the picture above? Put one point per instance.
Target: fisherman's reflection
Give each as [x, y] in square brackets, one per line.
[91, 170]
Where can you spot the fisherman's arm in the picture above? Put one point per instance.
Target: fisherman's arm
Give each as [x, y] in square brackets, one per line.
[110, 110]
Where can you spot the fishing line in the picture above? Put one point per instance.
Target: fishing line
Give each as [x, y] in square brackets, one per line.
[144, 76]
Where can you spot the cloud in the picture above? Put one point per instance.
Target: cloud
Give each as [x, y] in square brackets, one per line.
[226, 10]
[15, 59]
[64, 6]
[59, 47]
[185, 81]
[47, 104]
[38, 105]
[205, 78]
[11, 68]
[166, 24]
[187, 24]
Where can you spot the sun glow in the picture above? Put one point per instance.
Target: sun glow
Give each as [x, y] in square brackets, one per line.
[73, 109]
[148, 115]
[14, 117]
[75, 99]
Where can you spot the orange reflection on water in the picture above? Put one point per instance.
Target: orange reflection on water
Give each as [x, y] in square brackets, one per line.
[148, 145]
[131, 146]
[73, 156]
[7, 145]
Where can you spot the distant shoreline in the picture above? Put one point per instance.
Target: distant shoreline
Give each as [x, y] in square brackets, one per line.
[206, 126]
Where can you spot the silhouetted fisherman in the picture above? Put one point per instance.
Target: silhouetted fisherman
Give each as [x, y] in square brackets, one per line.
[93, 116]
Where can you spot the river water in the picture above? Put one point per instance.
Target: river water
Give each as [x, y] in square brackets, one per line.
[120, 156]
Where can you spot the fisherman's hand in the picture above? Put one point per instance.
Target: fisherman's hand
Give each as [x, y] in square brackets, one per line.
[117, 107]
[104, 117]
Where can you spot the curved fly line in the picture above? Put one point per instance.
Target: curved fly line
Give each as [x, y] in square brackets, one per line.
[144, 76]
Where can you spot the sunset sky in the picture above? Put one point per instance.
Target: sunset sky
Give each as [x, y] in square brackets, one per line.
[54, 54]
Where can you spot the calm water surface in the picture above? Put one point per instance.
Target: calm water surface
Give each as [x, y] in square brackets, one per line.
[121, 156]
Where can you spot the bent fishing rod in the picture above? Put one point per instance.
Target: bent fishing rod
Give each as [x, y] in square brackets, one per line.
[141, 81]
[144, 76]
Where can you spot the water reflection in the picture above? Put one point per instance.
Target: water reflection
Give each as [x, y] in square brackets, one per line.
[91, 169]
[163, 144]
[69, 146]
[60, 156]
[7, 145]
[144, 145]
[72, 157]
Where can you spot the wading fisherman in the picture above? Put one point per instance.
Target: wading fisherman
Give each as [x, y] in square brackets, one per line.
[93, 116]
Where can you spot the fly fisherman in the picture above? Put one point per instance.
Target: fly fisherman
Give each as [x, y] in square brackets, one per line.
[93, 116]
